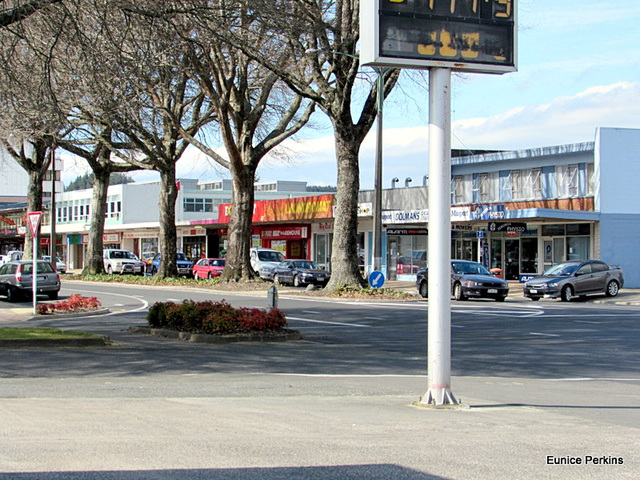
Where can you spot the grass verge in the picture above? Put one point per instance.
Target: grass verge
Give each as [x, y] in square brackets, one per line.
[41, 333]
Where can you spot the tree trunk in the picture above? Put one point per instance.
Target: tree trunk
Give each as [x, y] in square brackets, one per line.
[34, 204]
[344, 249]
[93, 262]
[238, 266]
[168, 233]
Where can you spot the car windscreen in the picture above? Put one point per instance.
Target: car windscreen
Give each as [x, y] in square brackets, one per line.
[270, 256]
[305, 265]
[181, 256]
[118, 254]
[465, 268]
[563, 269]
[216, 263]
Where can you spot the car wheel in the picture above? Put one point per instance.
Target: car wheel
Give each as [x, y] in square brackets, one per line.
[567, 293]
[535, 299]
[53, 295]
[457, 293]
[276, 279]
[500, 299]
[210, 276]
[110, 270]
[296, 281]
[12, 294]
[424, 290]
[612, 288]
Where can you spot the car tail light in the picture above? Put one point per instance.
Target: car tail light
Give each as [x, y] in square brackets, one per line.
[19, 274]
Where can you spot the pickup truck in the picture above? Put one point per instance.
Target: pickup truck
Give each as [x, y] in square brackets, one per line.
[575, 279]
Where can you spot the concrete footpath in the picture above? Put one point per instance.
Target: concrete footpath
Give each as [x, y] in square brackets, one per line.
[148, 415]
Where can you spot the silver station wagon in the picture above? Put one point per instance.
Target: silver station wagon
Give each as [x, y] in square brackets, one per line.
[16, 279]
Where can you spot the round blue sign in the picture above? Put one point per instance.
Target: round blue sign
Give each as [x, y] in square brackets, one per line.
[376, 279]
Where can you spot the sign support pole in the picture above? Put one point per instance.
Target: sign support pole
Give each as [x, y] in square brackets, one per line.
[439, 262]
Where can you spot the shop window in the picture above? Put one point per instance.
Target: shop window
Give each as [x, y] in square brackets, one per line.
[578, 248]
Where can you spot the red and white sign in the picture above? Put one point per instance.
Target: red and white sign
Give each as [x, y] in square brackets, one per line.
[34, 222]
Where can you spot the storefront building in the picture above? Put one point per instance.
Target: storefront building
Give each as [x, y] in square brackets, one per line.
[521, 212]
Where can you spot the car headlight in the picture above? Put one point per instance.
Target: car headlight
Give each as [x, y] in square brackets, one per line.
[471, 283]
[553, 285]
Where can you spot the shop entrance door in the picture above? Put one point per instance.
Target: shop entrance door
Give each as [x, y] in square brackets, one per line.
[505, 255]
[553, 251]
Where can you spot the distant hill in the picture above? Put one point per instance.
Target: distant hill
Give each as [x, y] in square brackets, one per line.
[86, 181]
[321, 188]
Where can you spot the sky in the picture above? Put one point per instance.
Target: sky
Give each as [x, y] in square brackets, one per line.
[578, 69]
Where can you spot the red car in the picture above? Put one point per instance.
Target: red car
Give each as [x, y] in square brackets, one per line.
[208, 268]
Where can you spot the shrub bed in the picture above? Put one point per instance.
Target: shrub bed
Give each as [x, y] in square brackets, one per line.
[75, 303]
[218, 318]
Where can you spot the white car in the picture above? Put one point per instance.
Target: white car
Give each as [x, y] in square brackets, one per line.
[121, 261]
[264, 260]
[60, 265]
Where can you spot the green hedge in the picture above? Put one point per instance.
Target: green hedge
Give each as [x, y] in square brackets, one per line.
[213, 317]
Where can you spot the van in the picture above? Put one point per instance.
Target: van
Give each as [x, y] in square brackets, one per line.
[264, 259]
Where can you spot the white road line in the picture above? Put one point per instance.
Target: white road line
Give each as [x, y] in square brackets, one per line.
[328, 375]
[544, 334]
[144, 306]
[588, 379]
[585, 321]
[312, 312]
[340, 324]
[374, 318]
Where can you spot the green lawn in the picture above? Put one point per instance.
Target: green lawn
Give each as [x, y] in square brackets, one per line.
[10, 333]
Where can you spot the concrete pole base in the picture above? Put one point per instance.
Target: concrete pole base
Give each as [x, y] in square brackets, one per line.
[438, 397]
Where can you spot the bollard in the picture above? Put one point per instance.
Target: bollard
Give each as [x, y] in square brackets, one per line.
[272, 297]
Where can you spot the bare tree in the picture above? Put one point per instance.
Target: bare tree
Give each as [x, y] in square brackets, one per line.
[322, 36]
[157, 103]
[16, 10]
[30, 118]
[256, 112]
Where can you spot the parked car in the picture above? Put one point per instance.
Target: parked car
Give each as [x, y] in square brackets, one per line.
[262, 258]
[60, 265]
[121, 261]
[299, 273]
[575, 279]
[16, 279]
[11, 256]
[468, 280]
[208, 268]
[184, 266]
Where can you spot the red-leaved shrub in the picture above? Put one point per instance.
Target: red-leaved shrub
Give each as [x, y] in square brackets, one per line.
[75, 303]
[214, 318]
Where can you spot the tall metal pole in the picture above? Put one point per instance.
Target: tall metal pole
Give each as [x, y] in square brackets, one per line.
[439, 263]
[377, 183]
[52, 208]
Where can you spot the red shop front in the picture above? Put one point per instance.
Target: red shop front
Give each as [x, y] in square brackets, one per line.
[295, 239]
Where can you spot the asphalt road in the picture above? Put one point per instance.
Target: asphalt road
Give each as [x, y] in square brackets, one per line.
[540, 380]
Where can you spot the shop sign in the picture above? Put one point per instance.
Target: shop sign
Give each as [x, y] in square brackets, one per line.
[325, 226]
[298, 208]
[488, 212]
[405, 216]
[365, 209]
[106, 238]
[510, 228]
[407, 231]
[284, 233]
[140, 235]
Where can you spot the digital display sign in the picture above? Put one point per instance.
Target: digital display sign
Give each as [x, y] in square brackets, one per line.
[472, 35]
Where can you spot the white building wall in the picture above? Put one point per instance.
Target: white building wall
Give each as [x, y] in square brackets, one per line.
[140, 202]
[14, 180]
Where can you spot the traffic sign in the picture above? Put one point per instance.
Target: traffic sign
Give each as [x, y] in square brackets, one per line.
[34, 222]
[376, 279]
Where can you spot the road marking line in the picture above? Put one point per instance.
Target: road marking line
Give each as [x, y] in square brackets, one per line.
[313, 312]
[544, 334]
[341, 324]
